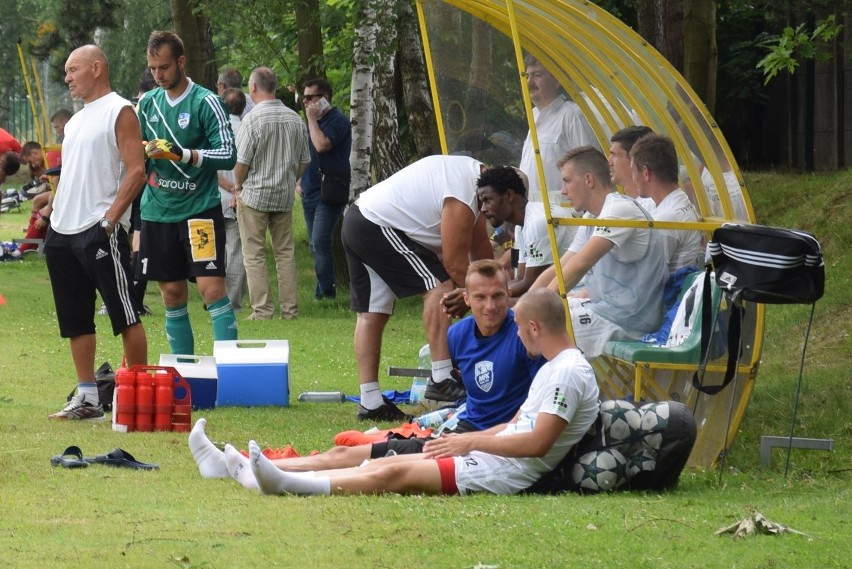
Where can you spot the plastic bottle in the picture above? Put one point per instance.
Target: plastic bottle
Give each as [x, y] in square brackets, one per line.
[435, 419]
[163, 402]
[124, 411]
[144, 402]
[418, 384]
[322, 396]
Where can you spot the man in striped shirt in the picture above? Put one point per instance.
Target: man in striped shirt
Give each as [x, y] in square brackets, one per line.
[272, 153]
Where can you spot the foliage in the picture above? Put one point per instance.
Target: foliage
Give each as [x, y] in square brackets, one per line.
[263, 32]
[795, 44]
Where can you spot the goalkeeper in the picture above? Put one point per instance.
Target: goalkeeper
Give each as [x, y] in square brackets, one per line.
[189, 139]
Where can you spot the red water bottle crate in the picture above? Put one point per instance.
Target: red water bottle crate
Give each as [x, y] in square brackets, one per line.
[151, 398]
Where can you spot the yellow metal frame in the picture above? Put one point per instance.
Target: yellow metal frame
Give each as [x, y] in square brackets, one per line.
[616, 77]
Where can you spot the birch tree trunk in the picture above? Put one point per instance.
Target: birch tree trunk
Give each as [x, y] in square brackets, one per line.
[387, 155]
[415, 86]
[361, 97]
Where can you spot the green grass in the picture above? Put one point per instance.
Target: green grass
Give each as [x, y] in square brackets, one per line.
[104, 517]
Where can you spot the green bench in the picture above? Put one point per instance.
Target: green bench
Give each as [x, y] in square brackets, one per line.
[645, 357]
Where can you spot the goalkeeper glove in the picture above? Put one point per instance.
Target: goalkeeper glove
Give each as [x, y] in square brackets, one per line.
[161, 149]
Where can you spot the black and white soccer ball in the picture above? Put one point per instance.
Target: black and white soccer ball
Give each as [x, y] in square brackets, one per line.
[655, 419]
[621, 420]
[644, 460]
[600, 471]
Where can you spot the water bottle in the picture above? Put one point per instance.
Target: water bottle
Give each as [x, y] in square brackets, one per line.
[435, 418]
[322, 397]
[418, 384]
[144, 402]
[124, 409]
[163, 402]
[424, 357]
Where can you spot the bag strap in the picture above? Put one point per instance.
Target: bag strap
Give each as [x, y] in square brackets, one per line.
[734, 339]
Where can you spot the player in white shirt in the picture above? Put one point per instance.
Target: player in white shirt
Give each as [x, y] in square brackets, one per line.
[655, 172]
[624, 268]
[561, 407]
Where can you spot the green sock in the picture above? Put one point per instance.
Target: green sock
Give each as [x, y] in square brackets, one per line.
[179, 330]
[224, 319]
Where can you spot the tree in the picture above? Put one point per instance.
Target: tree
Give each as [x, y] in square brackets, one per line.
[194, 29]
[661, 23]
[309, 41]
[415, 86]
[699, 48]
[387, 156]
[361, 93]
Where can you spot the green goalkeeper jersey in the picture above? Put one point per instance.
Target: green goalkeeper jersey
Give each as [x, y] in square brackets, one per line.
[195, 120]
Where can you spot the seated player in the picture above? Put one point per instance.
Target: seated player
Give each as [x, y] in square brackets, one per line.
[561, 407]
[495, 368]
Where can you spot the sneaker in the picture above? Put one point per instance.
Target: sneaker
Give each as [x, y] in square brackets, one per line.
[80, 410]
[145, 311]
[102, 311]
[39, 189]
[387, 411]
[451, 389]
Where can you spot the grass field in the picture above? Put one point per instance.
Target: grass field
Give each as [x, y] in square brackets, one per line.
[101, 517]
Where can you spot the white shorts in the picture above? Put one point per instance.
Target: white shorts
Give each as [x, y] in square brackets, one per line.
[483, 472]
[592, 332]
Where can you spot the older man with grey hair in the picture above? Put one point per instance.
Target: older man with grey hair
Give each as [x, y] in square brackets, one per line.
[272, 153]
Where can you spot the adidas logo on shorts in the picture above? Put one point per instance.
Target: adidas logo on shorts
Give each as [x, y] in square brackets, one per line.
[100, 254]
[211, 266]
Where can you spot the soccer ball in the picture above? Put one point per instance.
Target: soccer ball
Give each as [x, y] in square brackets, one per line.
[600, 471]
[655, 419]
[621, 420]
[643, 461]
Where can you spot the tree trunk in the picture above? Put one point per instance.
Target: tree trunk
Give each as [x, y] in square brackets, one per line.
[387, 155]
[415, 86]
[194, 29]
[361, 96]
[476, 99]
[661, 23]
[699, 48]
[309, 41]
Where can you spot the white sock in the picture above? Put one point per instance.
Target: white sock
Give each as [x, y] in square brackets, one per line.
[274, 481]
[89, 392]
[441, 370]
[371, 395]
[239, 468]
[210, 460]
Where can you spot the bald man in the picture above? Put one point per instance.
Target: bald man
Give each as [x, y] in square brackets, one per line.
[86, 247]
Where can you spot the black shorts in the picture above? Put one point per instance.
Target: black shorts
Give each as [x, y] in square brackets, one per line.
[413, 445]
[385, 264]
[79, 265]
[184, 249]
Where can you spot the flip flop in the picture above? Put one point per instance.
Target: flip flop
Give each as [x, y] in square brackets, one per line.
[71, 457]
[121, 458]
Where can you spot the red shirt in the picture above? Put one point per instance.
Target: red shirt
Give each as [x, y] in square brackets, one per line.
[8, 142]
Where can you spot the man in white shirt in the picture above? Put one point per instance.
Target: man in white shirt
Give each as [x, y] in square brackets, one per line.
[413, 233]
[624, 268]
[653, 160]
[506, 459]
[619, 163]
[559, 125]
[87, 247]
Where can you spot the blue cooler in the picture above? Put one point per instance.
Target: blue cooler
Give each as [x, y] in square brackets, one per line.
[252, 372]
[200, 373]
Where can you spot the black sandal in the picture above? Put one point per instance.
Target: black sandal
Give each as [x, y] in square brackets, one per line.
[71, 457]
[121, 458]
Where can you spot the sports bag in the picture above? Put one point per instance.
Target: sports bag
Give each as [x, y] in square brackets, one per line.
[769, 265]
[766, 265]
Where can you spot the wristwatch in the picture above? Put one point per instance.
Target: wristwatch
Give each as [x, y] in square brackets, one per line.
[106, 226]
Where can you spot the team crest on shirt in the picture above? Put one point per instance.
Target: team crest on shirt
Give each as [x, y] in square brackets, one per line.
[183, 120]
[484, 372]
